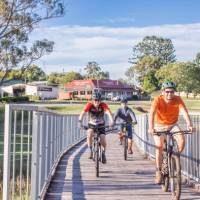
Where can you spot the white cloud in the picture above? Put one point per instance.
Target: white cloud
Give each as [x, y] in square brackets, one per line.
[110, 47]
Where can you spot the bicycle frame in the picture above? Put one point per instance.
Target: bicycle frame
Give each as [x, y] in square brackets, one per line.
[172, 169]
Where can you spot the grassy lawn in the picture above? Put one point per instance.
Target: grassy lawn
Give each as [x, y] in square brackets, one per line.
[77, 108]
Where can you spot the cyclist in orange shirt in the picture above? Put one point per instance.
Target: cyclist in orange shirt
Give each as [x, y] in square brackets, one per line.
[163, 116]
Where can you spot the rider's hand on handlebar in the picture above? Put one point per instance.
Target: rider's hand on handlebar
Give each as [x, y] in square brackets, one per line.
[80, 124]
[191, 129]
[151, 131]
[112, 124]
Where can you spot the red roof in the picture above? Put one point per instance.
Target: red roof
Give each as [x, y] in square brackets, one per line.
[91, 84]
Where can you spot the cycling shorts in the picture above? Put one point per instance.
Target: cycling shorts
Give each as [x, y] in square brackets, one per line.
[128, 129]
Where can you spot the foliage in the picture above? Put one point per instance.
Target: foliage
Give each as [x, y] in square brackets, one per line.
[18, 20]
[14, 99]
[159, 47]
[185, 74]
[63, 78]
[94, 71]
[150, 82]
[34, 73]
[70, 76]
[55, 78]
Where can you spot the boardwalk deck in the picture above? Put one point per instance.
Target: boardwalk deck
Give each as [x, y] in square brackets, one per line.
[119, 179]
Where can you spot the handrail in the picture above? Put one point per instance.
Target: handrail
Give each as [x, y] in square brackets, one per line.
[35, 139]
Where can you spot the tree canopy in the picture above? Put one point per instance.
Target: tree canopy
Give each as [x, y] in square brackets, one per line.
[94, 71]
[159, 47]
[17, 20]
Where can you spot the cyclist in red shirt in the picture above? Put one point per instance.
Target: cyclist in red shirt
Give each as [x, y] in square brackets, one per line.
[96, 110]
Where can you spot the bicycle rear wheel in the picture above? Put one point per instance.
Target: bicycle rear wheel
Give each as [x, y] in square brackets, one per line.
[175, 176]
[125, 145]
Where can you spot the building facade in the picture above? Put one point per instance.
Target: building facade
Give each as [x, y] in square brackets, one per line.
[83, 89]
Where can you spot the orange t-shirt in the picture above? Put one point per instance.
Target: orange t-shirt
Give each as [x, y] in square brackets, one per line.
[167, 113]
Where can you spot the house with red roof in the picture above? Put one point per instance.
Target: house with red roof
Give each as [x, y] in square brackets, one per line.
[83, 89]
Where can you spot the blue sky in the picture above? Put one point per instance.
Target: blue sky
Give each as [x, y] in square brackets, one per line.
[106, 30]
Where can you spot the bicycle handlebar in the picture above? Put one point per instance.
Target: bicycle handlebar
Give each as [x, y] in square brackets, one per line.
[159, 133]
[97, 127]
[124, 123]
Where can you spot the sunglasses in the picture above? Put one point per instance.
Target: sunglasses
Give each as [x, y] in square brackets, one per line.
[169, 92]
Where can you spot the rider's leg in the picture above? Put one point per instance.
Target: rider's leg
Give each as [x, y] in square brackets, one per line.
[130, 137]
[103, 141]
[159, 142]
[179, 137]
[90, 134]
[103, 144]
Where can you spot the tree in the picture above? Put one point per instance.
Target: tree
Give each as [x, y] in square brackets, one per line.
[94, 71]
[150, 82]
[55, 78]
[197, 60]
[18, 20]
[34, 73]
[70, 76]
[185, 74]
[142, 68]
[159, 47]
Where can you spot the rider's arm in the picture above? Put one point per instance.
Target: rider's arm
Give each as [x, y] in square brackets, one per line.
[81, 116]
[187, 118]
[132, 114]
[108, 112]
[151, 118]
[116, 115]
[86, 109]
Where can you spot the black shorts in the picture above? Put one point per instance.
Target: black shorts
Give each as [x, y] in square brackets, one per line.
[101, 130]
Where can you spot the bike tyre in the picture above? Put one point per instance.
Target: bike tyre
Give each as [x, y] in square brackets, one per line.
[175, 184]
[125, 145]
[97, 160]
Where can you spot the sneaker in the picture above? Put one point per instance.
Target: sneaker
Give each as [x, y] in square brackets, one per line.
[158, 177]
[130, 151]
[103, 157]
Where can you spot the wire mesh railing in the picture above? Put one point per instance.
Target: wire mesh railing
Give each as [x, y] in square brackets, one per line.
[34, 141]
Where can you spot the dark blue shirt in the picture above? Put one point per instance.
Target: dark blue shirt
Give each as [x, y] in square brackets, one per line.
[126, 115]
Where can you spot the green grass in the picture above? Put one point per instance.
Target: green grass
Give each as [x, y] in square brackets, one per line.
[77, 108]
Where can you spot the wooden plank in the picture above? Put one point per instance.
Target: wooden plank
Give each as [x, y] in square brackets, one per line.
[119, 179]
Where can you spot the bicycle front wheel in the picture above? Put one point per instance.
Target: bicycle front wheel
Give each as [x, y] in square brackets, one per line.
[175, 176]
[125, 145]
[97, 159]
[165, 172]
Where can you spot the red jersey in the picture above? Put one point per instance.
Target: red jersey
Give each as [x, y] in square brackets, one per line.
[96, 114]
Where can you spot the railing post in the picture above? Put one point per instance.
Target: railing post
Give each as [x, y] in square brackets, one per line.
[7, 144]
[35, 156]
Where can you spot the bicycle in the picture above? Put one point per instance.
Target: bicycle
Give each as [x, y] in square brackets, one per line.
[96, 145]
[124, 138]
[171, 167]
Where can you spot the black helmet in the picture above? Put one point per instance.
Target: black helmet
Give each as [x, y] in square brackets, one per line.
[96, 96]
[124, 100]
[168, 84]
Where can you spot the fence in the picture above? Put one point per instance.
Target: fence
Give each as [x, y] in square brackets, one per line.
[34, 141]
[190, 157]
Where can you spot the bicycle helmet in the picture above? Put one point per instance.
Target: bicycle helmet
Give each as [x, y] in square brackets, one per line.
[124, 100]
[168, 84]
[96, 96]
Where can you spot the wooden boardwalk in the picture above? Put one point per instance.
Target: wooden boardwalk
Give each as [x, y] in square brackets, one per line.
[119, 179]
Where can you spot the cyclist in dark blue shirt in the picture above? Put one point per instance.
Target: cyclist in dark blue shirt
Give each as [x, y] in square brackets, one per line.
[126, 114]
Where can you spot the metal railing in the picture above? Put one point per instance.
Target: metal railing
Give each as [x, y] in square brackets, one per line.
[34, 141]
[190, 157]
